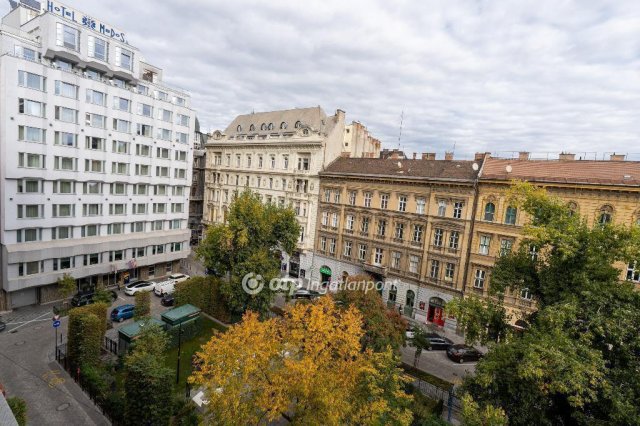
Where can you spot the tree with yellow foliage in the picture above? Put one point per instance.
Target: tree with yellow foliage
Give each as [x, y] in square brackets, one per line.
[307, 367]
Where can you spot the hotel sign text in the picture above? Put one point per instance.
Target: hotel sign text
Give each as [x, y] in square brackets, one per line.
[82, 19]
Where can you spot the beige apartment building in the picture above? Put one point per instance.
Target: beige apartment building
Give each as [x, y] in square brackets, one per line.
[405, 222]
[279, 155]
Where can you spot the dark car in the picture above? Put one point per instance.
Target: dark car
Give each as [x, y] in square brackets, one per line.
[304, 293]
[2, 325]
[82, 299]
[437, 342]
[167, 300]
[463, 353]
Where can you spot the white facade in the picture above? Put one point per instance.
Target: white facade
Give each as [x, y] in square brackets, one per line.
[279, 155]
[95, 157]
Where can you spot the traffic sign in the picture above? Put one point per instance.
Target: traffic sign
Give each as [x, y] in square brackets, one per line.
[56, 324]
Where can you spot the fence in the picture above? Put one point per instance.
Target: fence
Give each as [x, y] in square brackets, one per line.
[110, 345]
[452, 403]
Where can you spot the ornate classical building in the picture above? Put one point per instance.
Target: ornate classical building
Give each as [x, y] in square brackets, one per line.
[279, 155]
[406, 222]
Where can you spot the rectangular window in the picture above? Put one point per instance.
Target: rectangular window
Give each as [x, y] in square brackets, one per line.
[485, 241]
[182, 174]
[182, 120]
[32, 81]
[30, 268]
[90, 231]
[32, 134]
[350, 222]
[29, 186]
[450, 271]
[457, 209]
[399, 231]
[382, 227]
[63, 210]
[118, 188]
[414, 264]
[65, 163]
[164, 134]
[142, 90]
[68, 37]
[66, 90]
[98, 48]
[92, 209]
[96, 120]
[115, 229]
[442, 208]
[396, 258]
[120, 168]
[181, 137]
[29, 235]
[334, 220]
[96, 98]
[145, 110]
[140, 189]
[505, 247]
[28, 107]
[364, 226]
[160, 190]
[116, 255]
[64, 187]
[163, 96]
[165, 115]
[143, 150]
[323, 243]
[384, 201]
[179, 101]
[478, 281]
[91, 259]
[137, 227]
[420, 205]
[417, 233]
[26, 53]
[454, 238]
[157, 225]
[30, 211]
[633, 272]
[367, 199]
[362, 252]
[435, 269]
[92, 188]
[438, 235]
[66, 139]
[32, 161]
[178, 190]
[332, 245]
[96, 144]
[303, 163]
[67, 115]
[159, 207]
[124, 58]
[352, 198]
[175, 224]
[402, 203]
[378, 257]
[145, 130]
[347, 249]
[121, 104]
[176, 247]
[121, 125]
[94, 166]
[177, 207]
[120, 147]
[182, 156]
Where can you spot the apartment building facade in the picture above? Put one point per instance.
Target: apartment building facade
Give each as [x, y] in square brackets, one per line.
[279, 155]
[95, 148]
[196, 198]
[404, 222]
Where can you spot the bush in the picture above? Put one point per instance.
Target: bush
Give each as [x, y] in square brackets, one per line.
[426, 411]
[143, 305]
[19, 409]
[86, 331]
[204, 292]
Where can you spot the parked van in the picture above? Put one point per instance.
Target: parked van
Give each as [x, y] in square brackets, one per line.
[122, 312]
[165, 287]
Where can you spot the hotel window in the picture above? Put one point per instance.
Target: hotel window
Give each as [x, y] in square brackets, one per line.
[91, 259]
[399, 233]
[175, 224]
[402, 203]
[143, 150]
[414, 264]
[30, 211]
[352, 198]
[66, 90]
[159, 207]
[323, 243]
[367, 199]
[510, 215]
[62, 233]
[26, 53]
[179, 173]
[145, 110]
[91, 209]
[123, 126]
[384, 201]
[94, 166]
[115, 229]
[485, 242]
[29, 235]
[420, 205]
[182, 120]
[165, 115]
[65, 163]
[489, 212]
[178, 190]
[96, 120]
[32, 161]
[64, 187]
[179, 101]
[63, 210]
[144, 130]
[96, 98]
[121, 104]
[164, 134]
[160, 190]
[378, 257]
[396, 257]
[182, 137]
[90, 231]
[417, 233]
[177, 207]
[92, 188]
[65, 139]
[505, 247]
[450, 271]
[31, 186]
[350, 221]
[162, 171]
[364, 225]
[478, 281]
[382, 227]
[438, 235]
[118, 188]
[435, 269]
[124, 58]
[454, 239]
[143, 170]
[98, 48]
[442, 208]
[64, 263]
[96, 144]
[457, 209]
[117, 209]
[157, 225]
[116, 255]
[32, 81]
[139, 208]
[332, 245]
[140, 189]
[362, 252]
[32, 134]
[347, 249]
[30, 268]
[162, 153]
[67, 36]
[37, 109]
[120, 147]
[137, 227]
[163, 96]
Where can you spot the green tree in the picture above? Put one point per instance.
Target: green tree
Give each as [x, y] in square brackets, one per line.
[142, 305]
[488, 415]
[249, 242]
[85, 334]
[102, 295]
[18, 407]
[383, 327]
[578, 361]
[148, 385]
[205, 293]
[67, 285]
[482, 320]
[420, 342]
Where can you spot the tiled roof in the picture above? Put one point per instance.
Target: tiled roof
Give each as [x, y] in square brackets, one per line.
[557, 171]
[313, 117]
[430, 169]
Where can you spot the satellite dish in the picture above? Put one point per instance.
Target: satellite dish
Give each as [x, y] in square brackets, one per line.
[509, 168]
[475, 166]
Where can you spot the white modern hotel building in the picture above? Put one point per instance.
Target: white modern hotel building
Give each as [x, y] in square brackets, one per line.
[94, 157]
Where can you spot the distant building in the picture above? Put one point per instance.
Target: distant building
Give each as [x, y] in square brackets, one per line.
[395, 154]
[358, 142]
[196, 196]
[95, 152]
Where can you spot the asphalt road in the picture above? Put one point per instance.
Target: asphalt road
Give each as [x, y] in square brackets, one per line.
[438, 364]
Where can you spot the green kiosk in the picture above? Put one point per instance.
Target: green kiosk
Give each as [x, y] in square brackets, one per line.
[183, 321]
[129, 333]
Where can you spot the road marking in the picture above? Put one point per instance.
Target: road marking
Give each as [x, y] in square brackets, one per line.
[52, 378]
[28, 322]
[21, 322]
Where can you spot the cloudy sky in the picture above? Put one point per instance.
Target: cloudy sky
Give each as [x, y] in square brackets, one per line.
[543, 75]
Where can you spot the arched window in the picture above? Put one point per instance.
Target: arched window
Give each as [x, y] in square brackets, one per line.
[409, 303]
[283, 125]
[489, 212]
[263, 126]
[270, 126]
[605, 215]
[298, 124]
[573, 208]
[305, 132]
[252, 128]
[239, 128]
[510, 215]
[393, 293]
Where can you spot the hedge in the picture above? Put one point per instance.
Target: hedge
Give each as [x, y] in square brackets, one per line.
[204, 292]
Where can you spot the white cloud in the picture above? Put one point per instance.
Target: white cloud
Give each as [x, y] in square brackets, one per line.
[548, 75]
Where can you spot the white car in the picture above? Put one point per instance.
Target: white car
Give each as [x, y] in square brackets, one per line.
[138, 287]
[287, 284]
[164, 287]
[178, 278]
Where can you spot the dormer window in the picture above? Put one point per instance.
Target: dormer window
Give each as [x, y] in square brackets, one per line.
[305, 132]
[263, 126]
[239, 128]
[252, 128]
[270, 127]
[298, 124]
[283, 125]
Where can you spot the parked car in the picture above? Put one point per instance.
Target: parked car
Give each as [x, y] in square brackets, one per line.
[138, 286]
[2, 325]
[462, 353]
[290, 283]
[82, 299]
[122, 312]
[164, 287]
[167, 300]
[437, 342]
[304, 293]
[178, 278]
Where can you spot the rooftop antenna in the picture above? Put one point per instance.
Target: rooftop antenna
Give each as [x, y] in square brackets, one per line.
[401, 121]
[453, 151]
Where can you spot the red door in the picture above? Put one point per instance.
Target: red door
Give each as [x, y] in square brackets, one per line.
[438, 316]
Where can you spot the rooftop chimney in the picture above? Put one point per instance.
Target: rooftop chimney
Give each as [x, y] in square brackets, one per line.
[617, 157]
[523, 155]
[448, 156]
[395, 155]
[480, 156]
[414, 155]
[566, 156]
[428, 155]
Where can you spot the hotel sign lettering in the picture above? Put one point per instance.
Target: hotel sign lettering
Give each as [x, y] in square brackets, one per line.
[82, 19]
